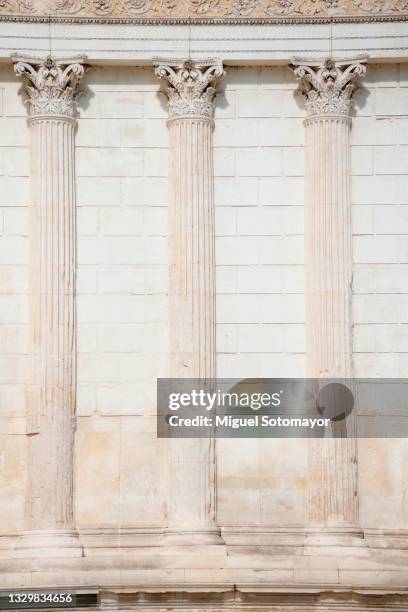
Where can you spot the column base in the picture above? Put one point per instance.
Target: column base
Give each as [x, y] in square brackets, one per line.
[335, 537]
[49, 543]
[192, 537]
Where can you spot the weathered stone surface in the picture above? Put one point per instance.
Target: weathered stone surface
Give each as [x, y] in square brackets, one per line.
[121, 468]
[192, 319]
[328, 89]
[52, 89]
[237, 10]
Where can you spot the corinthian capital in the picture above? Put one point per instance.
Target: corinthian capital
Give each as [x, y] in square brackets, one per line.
[328, 88]
[191, 88]
[51, 84]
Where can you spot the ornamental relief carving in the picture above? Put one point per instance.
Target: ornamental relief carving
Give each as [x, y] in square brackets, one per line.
[191, 90]
[220, 9]
[328, 89]
[17, 6]
[52, 86]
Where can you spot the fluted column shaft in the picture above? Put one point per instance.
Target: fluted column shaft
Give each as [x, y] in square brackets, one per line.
[192, 309]
[327, 89]
[328, 246]
[191, 248]
[52, 92]
[191, 495]
[333, 462]
[49, 500]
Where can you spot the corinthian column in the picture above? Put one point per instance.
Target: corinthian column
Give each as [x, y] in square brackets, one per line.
[190, 96]
[327, 90]
[52, 90]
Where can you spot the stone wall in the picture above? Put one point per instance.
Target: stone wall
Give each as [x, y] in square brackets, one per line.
[121, 148]
[14, 249]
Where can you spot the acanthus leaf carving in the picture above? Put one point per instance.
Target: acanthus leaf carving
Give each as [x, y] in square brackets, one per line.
[139, 7]
[243, 8]
[18, 6]
[69, 6]
[328, 88]
[103, 7]
[94, 7]
[191, 88]
[52, 85]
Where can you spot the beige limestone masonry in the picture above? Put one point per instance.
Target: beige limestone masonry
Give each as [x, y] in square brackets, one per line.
[121, 469]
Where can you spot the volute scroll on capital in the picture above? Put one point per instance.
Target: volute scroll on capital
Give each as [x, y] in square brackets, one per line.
[52, 85]
[191, 91]
[328, 87]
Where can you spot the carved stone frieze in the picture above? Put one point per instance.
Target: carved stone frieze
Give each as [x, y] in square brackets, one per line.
[52, 85]
[202, 10]
[17, 6]
[191, 88]
[328, 88]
